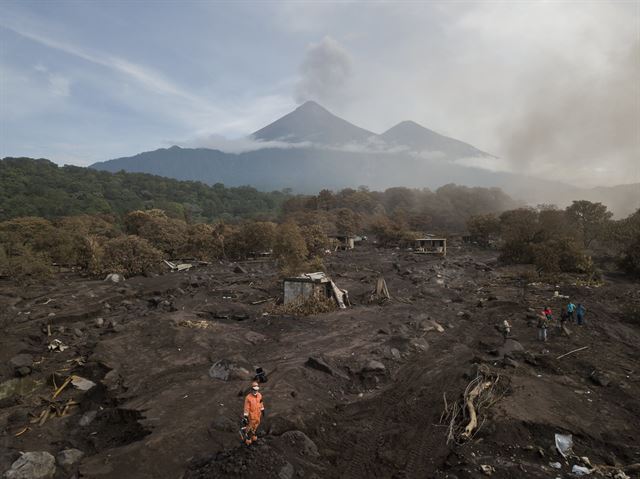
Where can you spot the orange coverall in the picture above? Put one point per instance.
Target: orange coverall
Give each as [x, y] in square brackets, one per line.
[253, 407]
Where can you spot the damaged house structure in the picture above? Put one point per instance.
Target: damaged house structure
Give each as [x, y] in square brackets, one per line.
[311, 286]
[346, 242]
[430, 245]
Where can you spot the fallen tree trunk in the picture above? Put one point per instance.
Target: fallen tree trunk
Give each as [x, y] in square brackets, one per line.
[473, 418]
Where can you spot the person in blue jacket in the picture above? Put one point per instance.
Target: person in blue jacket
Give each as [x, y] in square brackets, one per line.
[571, 308]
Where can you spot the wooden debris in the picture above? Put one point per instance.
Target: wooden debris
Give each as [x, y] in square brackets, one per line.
[22, 431]
[571, 352]
[473, 418]
[61, 388]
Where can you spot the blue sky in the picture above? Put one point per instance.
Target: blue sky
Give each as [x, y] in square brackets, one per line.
[536, 83]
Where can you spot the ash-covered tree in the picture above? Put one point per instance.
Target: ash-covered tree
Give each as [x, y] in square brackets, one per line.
[347, 222]
[290, 249]
[589, 219]
[484, 229]
[168, 235]
[518, 232]
[315, 239]
[129, 255]
[251, 238]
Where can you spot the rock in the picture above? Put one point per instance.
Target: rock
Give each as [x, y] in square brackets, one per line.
[223, 423]
[319, 364]
[32, 465]
[383, 331]
[82, 384]
[69, 457]
[286, 471]
[87, 418]
[278, 425]
[373, 366]
[509, 362]
[114, 278]
[226, 370]
[255, 338]
[300, 441]
[21, 364]
[509, 347]
[239, 269]
[99, 322]
[77, 332]
[600, 378]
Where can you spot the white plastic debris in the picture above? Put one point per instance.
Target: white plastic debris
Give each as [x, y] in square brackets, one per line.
[82, 383]
[564, 444]
[114, 277]
[580, 470]
[487, 470]
[57, 346]
[555, 465]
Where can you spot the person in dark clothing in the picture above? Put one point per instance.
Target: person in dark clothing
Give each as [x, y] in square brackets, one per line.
[580, 311]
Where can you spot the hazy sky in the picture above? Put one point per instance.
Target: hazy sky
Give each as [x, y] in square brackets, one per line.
[552, 88]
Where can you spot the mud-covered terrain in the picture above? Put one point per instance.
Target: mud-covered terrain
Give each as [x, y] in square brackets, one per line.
[355, 393]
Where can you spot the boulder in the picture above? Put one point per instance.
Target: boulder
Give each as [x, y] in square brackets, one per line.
[239, 269]
[509, 347]
[300, 442]
[87, 418]
[373, 367]
[286, 471]
[21, 364]
[224, 424]
[319, 364]
[68, 457]
[226, 370]
[32, 465]
[600, 378]
[255, 338]
[114, 278]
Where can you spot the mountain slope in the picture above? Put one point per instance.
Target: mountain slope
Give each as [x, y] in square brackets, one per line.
[312, 123]
[421, 139]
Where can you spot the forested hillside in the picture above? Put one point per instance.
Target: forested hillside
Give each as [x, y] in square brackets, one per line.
[31, 187]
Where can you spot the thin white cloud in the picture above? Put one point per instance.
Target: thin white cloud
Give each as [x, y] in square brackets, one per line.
[148, 78]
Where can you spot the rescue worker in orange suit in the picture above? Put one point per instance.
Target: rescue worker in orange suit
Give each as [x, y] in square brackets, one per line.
[253, 412]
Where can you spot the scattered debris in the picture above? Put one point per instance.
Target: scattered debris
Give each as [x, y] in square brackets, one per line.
[227, 370]
[178, 266]
[199, 324]
[114, 277]
[564, 444]
[81, 383]
[487, 470]
[57, 346]
[580, 470]
[555, 465]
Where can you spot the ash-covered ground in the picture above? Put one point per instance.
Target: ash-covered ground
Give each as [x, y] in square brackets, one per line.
[355, 393]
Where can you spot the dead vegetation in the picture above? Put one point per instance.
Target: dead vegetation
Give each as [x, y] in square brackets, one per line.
[305, 307]
[465, 416]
